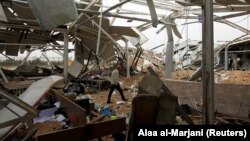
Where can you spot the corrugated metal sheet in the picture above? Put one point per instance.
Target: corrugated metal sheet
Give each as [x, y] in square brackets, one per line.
[52, 13]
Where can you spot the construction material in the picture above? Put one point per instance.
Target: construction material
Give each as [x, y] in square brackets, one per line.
[87, 132]
[55, 14]
[168, 91]
[40, 88]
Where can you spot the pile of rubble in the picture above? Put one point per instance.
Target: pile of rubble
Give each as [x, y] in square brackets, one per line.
[235, 77]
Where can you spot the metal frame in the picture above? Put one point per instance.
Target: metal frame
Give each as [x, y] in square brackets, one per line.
[31, 112]
[208, 62]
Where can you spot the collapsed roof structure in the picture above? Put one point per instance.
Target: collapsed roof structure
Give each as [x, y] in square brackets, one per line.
[26, 24]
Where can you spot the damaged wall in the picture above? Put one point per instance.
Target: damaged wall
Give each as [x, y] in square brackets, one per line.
[229, 98]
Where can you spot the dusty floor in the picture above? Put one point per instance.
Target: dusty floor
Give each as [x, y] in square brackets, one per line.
[100, 97]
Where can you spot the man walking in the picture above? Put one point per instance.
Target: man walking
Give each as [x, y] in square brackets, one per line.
[115, 84]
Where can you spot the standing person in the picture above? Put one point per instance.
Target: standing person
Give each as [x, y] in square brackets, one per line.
[115, 84]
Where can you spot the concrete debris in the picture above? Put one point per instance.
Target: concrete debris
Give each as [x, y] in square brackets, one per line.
[120, 102]
[167, 103]
[150, 85]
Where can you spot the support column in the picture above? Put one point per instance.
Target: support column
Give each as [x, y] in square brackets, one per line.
[208, 62]
[169, 52]
[3, 76]
[126, 46]
[65, 55]
[226, 58]
[99, 32]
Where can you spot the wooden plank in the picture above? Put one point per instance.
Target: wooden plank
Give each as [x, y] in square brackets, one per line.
[72, 109]
[87, 132]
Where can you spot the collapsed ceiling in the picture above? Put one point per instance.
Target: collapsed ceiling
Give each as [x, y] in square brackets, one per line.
[27, 23]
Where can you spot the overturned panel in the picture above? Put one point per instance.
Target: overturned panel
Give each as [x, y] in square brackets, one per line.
[137, 41]
[52, 13]
[75, 68]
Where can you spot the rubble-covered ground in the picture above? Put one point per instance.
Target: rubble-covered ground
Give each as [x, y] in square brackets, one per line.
[120, 107]
[235, 77]
[222, 77]
[130, 86]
